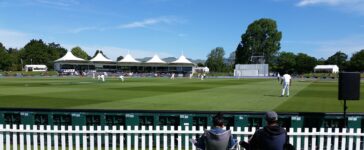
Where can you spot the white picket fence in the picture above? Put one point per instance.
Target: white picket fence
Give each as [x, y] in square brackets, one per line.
[117, 137]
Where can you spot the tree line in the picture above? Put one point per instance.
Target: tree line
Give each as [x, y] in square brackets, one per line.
[37, 52]
[261, 44]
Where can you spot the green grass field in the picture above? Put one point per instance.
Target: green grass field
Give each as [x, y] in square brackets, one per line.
[166, 94]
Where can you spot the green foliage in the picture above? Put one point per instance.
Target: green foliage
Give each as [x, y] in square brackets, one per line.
[286, 62]
[262, 38]
[357, 61]
[78, 52]
[215, 60]
[304, 63]
[5, 59]
[38, 52]
[119, 58]
[339, 59]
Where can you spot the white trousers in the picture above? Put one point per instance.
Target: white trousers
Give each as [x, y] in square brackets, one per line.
[285, 89]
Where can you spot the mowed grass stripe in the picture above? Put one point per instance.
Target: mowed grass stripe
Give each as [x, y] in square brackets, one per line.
[244, 95]
[321, 96]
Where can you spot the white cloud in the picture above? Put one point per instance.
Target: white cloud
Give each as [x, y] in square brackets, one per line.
[58, 3]
[81, 29]
[353, 6]
[14, 39]
[149, 22]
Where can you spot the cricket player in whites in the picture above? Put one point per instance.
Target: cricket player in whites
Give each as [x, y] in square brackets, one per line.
[286, 81]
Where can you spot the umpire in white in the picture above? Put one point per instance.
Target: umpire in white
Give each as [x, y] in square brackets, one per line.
[286, 82]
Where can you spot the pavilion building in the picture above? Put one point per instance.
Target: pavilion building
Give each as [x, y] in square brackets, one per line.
[100, 63]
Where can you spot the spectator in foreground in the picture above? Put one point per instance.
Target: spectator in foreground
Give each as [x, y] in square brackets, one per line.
[217, 138]
[271, 137]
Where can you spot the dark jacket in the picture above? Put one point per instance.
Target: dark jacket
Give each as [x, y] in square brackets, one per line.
[269, 138]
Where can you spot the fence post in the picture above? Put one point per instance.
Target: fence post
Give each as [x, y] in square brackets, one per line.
[106, 129]
[179, 138]
[321, 147]
[193, 136]
[128, 139]
[15, 137]
[351, 140]
[99, 142]
[343, 139]
[172, 138]
[313, 140]
[49, 137]
[55, 128]
[336, 140]
[329, 135]
[165, 139]
[291, 138]
[136, 138]
[121, 138]
[298, 142]
[7, 137]
[113, 137]
[1, 136]
[84, 138]
[21, 137]
[306, 131]
[358, 131]
[157, 140]
[92, 137]
[35, 137]
[77, 136]
[187, 138]
[143, 137]
[63, 137]
[41, 137]
[150, 139]
[70, 139]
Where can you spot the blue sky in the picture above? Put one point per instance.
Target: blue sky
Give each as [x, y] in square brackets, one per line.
[170, 27]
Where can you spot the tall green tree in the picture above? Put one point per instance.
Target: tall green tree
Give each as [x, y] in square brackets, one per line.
[5, 59]
[215, 60]
[119, 58]
[357, 61]
[305, 63]
[38, 52]
[286, 62]
[16, 62]
[339, 59]
[262, 38]
[79, 52]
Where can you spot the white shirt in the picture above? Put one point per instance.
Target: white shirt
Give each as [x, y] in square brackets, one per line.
[286, 78]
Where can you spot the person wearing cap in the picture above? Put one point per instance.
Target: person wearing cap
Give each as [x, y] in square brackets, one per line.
[271, 137]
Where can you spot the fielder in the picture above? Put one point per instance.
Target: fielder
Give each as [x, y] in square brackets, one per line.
[287, 82]
[191, 75]
[172, 76]
[102, 78]
[121, 78]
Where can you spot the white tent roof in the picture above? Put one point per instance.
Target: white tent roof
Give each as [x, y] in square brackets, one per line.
[155, 59]
[334, 68]
[182, 60]
[100, 57]
[69, 57]
[129, 59]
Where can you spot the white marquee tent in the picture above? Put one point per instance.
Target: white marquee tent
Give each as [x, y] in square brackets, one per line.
[182, 60]
[69, 57]
[155, 60]
[100, 58]
[128, 59]
[327, 68]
